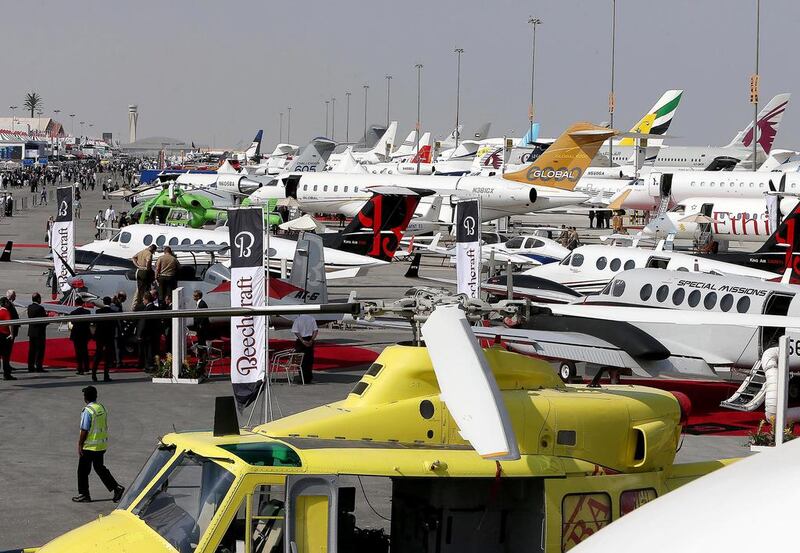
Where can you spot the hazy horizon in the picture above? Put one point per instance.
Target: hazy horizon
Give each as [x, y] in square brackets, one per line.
[214, 73]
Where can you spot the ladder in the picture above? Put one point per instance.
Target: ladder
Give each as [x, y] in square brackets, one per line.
[751, 392]
[663, 206]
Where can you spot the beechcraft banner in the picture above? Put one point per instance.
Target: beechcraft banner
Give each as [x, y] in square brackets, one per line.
[248, 334]
[468, 247]
[62, 237]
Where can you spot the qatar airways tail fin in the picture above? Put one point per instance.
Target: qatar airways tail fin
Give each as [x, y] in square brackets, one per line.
[769, 119]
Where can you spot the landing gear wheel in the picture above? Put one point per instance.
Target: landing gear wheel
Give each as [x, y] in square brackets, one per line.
[794, 390]
[567, 370]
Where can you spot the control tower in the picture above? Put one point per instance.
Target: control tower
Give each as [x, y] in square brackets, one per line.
[133, 119]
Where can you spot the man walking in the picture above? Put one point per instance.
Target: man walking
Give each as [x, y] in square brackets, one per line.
[167, 273]
[305, 329]
[37, 335]
[144, 272]
[92, 446]
[80, 335]
[6, 340]
[104, 342]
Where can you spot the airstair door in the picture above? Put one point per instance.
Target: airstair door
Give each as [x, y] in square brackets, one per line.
[311, 513]
[654, 185]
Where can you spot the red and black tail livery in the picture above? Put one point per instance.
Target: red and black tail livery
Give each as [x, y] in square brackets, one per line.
[377, 229]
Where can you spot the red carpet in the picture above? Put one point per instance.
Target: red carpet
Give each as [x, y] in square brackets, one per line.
[60, 354]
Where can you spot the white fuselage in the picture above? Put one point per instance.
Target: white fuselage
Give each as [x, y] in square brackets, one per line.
[133, 238]
[346, 194]
[588, 269]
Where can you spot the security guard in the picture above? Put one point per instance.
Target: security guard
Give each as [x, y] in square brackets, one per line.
[92, 445]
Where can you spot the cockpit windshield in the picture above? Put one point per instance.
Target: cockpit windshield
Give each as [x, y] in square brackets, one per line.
[181, 504]
[154, 464]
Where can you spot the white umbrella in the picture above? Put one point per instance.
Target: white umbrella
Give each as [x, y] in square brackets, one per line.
[306, 223]
[696, 218]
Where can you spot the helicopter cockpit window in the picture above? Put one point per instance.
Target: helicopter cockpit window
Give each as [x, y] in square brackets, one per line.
[265, 454]
[566, 260]
[152, 466]
[267, 515]
[184, 500]
[618, 289]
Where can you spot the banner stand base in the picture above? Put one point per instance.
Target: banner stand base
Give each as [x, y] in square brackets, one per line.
[177, 381]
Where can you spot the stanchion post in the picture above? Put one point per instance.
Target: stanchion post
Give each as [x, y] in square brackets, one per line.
[178, 334]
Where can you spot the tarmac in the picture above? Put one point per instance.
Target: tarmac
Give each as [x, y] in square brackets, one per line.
[39, 413]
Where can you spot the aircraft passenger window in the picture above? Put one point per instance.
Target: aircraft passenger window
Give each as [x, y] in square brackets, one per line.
[125, 237]
[618, 289]
[646, 292]
[161, 240]
[678, 295]
[751, 185]
[355, 189]
[702, 184]
[601, 263]
[712, 184]
[692, 183]
[580, 521]
[743, 305]
[761, 185]
[629, 264]
[173, 241]
[305, 187]
[726, 302]
[710, 301]
[148, 240]
[198, 242]
[212, 243]
[615, 264]
[694, 298]
[515, 242]
[336, 188]
[662, 293]
[577, 260]
[633, 499]
[315, 188]
[186, 241]
[325, 188]
[684, 269]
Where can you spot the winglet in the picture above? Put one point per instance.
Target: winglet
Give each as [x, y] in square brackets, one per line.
[564, 162]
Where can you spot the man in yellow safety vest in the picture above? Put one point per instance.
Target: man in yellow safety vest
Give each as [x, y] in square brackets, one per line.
[92, 445]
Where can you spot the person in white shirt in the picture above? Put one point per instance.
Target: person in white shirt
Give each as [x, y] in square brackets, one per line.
[305, 329]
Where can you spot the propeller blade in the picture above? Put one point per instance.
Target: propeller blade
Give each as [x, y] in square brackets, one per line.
[64, 261]
[467, 385]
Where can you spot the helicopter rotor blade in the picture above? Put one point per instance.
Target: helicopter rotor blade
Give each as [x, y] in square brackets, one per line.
[467, 384]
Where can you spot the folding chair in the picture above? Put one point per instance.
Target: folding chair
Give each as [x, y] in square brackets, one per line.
[287, 361]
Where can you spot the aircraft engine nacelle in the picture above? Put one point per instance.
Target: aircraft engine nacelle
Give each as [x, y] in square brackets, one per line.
[237, 184]
[411, 168]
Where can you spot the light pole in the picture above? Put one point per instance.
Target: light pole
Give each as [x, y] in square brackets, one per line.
[280, 136]
[72, 124]
[347, 117]
[388, 97]
[458, 51]
[754, 84]
[82, 122]
[13, 116]
[333, 118]
[54, 139]
[366, 92]
[327, 109]
[289, 125]
[419, 96]
[611, 99]
[534, 22]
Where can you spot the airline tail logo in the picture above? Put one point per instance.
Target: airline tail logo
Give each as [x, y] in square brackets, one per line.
[424, 155]
[490, 157]
[375, 216]
[657, 121]
[767, 126]
[563, 163]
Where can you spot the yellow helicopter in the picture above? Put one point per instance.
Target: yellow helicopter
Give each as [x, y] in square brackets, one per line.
[482, 450]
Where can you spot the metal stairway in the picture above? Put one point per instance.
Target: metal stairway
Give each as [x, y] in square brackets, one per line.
[750, 394]
[663, 206]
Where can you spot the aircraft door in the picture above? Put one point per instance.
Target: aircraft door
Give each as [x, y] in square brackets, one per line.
[654, 185]
[665, 187]
[312, 504]
[291, 184]
[777, 304]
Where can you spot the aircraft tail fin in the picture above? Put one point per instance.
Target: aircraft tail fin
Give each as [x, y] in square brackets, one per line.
[784, 244]
[658, 119]
[407, 147]
[531, 136]
[377, 229]
[769, 119]
[386, 142]
[424, 155]
[254, 151]
[6, 255]
[314, 156]
[308, 269]
[413, 269]
[482, 132]
[564, 162]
